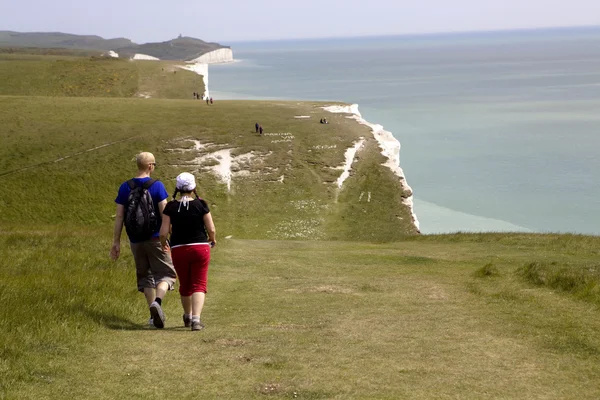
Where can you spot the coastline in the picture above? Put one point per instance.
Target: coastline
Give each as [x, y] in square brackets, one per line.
[389, 145]
[390, 148]
[200, 69]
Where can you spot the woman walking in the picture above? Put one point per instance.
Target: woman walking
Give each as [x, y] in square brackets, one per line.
[192, 236]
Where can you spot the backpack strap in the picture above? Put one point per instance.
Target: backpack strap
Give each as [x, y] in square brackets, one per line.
[132, 185]
[149, 183]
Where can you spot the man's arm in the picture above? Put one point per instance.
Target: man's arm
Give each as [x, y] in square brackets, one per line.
[164, 231]
[115, 250]
[161, 206]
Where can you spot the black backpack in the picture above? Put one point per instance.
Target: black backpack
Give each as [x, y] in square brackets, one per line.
[141, 219]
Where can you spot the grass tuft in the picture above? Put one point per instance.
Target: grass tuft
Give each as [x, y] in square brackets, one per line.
[487, 271]
[581, 280]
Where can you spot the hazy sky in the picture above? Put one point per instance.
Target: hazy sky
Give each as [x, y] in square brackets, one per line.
[239, 20]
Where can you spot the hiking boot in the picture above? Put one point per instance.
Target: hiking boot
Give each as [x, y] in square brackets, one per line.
[197, 326]
[151, 323]
[158, 316]
[187, 321]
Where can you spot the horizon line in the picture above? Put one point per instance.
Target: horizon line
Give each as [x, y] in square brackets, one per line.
[333, 37]
[425, 34]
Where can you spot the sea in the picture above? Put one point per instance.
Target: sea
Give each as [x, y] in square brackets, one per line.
[500, 131]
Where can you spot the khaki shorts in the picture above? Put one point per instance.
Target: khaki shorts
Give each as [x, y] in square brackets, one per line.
[152, 265]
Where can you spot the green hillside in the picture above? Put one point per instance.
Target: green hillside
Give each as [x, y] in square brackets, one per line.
[39, 75]
[60, 40]
[181, 48]
[319, 292]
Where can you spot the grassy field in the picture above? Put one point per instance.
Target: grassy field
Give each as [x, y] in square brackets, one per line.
[361, 307]
[42, 75]
[430, 317]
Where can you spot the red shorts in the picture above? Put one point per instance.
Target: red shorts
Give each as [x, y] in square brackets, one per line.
[191, 263]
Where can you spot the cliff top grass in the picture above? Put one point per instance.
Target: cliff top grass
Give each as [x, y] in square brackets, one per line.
[360, 308]
[78, 76]
[282, 185]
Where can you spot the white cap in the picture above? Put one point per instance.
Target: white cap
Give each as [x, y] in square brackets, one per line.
[186, 182]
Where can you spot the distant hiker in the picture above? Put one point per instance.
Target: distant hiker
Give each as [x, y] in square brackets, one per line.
[321, 121]
[195, 95]
[256, 127]
[140, 203]
[211, 100]
[207, 100]
[192, 237]
[260, 129]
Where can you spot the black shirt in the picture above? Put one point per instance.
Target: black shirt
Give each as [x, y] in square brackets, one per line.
[187, 222]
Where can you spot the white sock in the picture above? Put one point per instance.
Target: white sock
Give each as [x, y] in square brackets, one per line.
[195, 318]
[188, 316]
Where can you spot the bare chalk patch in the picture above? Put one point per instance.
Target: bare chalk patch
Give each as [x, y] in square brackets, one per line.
[346, 167]
[362, 194]
[283, 137]
[302, 116]
[196, 146]
[220, 162]
[325, 146]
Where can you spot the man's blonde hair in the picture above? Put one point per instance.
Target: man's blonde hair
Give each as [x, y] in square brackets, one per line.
[144, 159]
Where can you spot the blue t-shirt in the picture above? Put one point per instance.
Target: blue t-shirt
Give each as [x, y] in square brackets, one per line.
[157, 192]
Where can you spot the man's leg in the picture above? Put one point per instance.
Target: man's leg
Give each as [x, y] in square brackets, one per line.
[163, 272]
[161, 290]
[145, 281]
[150, 294]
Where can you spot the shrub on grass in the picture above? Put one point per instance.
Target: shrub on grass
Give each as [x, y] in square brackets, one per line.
[582, 280]
[487, 271]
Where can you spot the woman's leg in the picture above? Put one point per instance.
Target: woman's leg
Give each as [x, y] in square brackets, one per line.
[183, 265]
[199, 272]
[186, 302]
[197, 301]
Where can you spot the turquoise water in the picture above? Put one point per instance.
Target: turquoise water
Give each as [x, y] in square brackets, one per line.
[498, 131]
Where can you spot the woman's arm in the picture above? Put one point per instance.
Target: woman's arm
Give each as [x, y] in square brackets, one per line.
[210, 228]
[165, 228]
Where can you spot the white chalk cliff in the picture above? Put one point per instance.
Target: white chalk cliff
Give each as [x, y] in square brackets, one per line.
[214, 57]
[144, 57]
[200, 69]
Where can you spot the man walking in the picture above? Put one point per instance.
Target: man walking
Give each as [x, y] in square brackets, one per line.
[140, 203]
